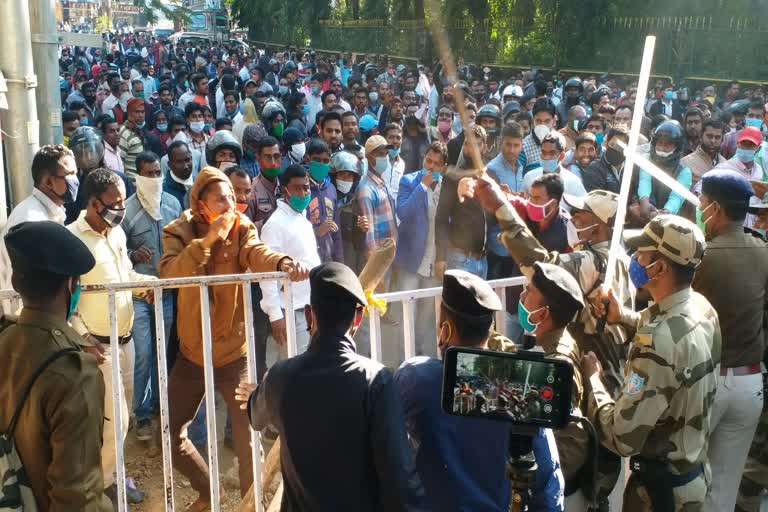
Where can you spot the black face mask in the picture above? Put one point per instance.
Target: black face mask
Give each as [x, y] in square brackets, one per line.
[614, 157]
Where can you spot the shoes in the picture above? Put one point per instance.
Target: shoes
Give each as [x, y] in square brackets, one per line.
[144, 430]
[132, 494]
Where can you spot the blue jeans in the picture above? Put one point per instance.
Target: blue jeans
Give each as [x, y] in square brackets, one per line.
[145, 377]
[456, 259]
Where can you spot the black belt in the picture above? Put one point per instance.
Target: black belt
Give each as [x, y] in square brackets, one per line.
[659, 481]
[121, 340]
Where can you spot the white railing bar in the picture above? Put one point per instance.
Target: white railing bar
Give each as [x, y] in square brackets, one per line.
[290, 319]
[253, 379]
[438, 302]
[436, 291]
[375, 334]
[117, 402]
[162, 381]
[408, 328]
[210, 400]
[501, 316]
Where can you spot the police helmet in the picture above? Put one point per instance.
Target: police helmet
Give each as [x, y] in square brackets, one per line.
[222, 140]
[87, 145]
[573, 82]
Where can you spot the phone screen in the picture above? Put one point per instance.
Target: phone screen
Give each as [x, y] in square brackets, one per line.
[522, 387]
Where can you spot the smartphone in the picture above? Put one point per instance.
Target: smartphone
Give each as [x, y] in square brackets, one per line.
[524, 387]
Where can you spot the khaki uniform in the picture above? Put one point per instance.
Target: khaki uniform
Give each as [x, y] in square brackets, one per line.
[663, 414]
[59, 432]
[754, 481]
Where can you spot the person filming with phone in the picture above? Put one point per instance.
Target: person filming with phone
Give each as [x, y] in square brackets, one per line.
[461, 461]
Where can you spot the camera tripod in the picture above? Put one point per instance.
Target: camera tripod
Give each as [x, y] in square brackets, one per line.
[521, 468]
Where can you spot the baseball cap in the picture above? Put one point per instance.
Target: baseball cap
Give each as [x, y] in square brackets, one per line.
[677, 238]
[375, 143]
[599, 202]
[512, 90]
[367, 123]
[757, 205]
[751, 134]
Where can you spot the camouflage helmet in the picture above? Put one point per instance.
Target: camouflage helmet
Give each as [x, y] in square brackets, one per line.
[677, 238]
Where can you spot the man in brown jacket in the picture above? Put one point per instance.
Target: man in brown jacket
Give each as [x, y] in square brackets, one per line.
[212, 238]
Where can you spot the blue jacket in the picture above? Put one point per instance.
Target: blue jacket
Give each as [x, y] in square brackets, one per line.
[141, 229]
[412, 232]
[322, 206]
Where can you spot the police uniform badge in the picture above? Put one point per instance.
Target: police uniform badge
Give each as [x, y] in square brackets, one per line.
[635, 384]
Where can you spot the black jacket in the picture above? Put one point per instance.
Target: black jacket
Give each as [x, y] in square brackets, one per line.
[342, 431]
[459, 225]
[658, 108]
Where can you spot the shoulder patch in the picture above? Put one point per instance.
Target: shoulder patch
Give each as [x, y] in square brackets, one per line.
[645, 339]
[635, 384]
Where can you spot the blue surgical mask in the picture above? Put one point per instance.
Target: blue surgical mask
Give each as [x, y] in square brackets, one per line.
[319, 171]
[305, 109]
[74, 298]
[755, 123]
[283, 90]
[436, 175]
[141, 125]
[162, 127]
[315, 90]
[524, 317]
[745, 155]
[600, 137]
[382, 164]
[549, 165]
[197, 126]
[84, 121]
[394, 152]
[638, 274]
[668, 95]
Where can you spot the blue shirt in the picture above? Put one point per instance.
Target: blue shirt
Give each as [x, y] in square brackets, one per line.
[462, 461]
[504, 174]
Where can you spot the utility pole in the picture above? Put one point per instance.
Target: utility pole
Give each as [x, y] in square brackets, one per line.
[45, 55]
[20, 125]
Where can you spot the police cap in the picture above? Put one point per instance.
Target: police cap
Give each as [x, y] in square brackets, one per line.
[557, 285]
[726, 185]
[334, 281]
[469, 296]
[47, 247]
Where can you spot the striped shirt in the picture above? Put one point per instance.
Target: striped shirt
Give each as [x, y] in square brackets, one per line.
[131, 144]
[375, 202]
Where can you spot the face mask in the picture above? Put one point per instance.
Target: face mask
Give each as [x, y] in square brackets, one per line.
[299, 203]
[241, 207]
[668, 95]
[283, 90]
[614, 156]
[638, 274]
[144, 72]
[298, 151]
[206, 213]
[436, 175]
[382, 165]
[315, 90]
[73, 185]
[278, 129]
[139, 95]
[600, 137]
[664, 154]
[305, 109]
[549, 165]
[536, 212]
[444, 126]
[112, 217]
[250, 153]
[745, 155]
[374, 97]
[271, 172]
[207, 127]
[74, 298]
[150, 191]
[344, 186]
[541, 131]
[142, 125]
[393, 152]
[755, 123]
[524, 317]
[162, 127]
[319, 171]
[84, 121]
[700, 218]
[197, 126]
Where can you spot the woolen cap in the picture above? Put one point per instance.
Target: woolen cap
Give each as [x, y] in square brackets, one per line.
[64, 254]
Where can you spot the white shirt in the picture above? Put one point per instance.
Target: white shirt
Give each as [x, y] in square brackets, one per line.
[289, 232]
[35, 208]
[112, 159]
[112, 266]
[571, 182]
[427, 266]
[185, 98]
[391, 177]
[109, 103]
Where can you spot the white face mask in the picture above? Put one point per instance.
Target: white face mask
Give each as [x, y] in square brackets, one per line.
[150, 192]
[663, 154]
[344, 186]
[541, 131]
[298, 151]
[124, 98]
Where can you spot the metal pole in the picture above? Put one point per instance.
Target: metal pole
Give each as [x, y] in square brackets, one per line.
[3, 194]
[162, 370]
[45, 48]
[117, 400]
[20, 124]
[253, 379]
[210, 400]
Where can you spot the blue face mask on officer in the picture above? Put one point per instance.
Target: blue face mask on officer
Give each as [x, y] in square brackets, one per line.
[638, 273]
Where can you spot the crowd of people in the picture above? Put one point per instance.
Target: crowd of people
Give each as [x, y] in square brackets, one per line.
[182, 160]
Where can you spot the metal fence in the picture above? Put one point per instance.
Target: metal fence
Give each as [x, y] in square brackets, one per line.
[406, 298]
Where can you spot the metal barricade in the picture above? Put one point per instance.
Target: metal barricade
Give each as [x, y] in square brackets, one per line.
[244, 280]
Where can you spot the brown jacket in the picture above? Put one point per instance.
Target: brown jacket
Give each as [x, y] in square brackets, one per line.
[59, 431]
[184, 256]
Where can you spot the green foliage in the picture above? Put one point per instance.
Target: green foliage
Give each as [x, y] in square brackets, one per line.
[171, 9]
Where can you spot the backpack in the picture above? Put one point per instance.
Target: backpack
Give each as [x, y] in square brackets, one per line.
[15, 490]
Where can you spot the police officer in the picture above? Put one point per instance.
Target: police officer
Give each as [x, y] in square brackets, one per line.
[662, 417]
[738, 296]
[332, 405]
[59, 429]
[550, 301]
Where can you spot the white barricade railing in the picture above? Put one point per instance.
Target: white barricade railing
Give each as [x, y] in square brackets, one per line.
[244, 280]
